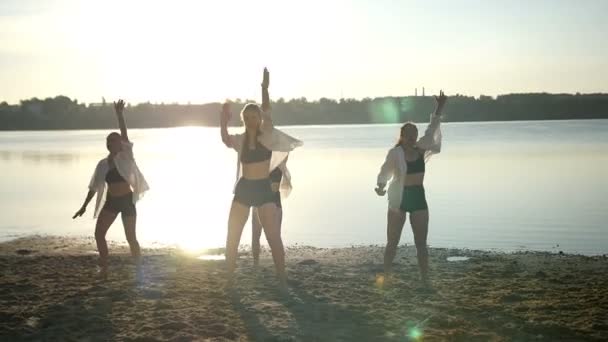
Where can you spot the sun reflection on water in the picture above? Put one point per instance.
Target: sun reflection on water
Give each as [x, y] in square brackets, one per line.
[191, 179]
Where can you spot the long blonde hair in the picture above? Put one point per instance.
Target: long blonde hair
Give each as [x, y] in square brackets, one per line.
[402, 132]
[252, 107]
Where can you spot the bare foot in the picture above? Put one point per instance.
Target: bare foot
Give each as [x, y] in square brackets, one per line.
[282, 278]
[388, 270]
[102, 272]
[426, 286]
[229, 284]
[139, 272]
[283, 289]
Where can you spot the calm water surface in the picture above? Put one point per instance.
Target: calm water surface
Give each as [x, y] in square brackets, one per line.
[503, 185]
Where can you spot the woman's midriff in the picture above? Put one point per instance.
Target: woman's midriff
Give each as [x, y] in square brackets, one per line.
[414, 179]
[257, 170]
[119, 189]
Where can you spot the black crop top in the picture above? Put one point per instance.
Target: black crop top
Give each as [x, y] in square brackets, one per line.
[114, 177]
[416, 166]
[258, 154]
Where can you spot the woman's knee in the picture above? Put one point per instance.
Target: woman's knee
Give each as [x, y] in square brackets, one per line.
[274, 238]
[238, 215]
[396, 215]
[422, 250]
[392, 243]
[269, 222]
[100, 233]
[420, 241]
[393, 237]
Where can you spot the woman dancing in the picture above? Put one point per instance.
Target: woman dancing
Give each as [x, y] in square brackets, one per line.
[125, 186]
[405, 166]
[261, 149]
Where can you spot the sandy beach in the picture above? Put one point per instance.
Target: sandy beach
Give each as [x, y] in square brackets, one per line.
[49, 291]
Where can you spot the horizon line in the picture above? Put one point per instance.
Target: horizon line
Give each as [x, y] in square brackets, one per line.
[302, 97]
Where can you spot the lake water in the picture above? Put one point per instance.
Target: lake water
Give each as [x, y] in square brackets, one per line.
[502, 185]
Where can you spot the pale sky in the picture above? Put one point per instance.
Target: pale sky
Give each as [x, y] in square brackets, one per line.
[203, 51]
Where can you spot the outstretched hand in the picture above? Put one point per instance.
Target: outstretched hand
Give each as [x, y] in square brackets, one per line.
[266, 79]
[79, 213]
[265, 96]
[226, 114]
[119, 106]
[441, 99]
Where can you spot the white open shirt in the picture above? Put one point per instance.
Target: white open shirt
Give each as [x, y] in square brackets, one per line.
[395, 167]
[126, 167]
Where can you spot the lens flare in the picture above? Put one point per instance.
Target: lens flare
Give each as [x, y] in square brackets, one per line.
[212, 257]
[379, 281]
[406, 104]
[415, 334]
[384, 111]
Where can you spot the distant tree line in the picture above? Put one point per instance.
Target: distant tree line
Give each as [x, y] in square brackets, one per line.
[62, 112]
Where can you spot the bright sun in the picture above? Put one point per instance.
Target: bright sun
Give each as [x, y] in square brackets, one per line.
[193, 51]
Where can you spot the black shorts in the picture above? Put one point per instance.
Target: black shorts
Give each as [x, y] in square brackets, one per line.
[413, 199]
[254, 193]
[120, 204]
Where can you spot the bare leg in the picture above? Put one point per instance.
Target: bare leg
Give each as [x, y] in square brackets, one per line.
[279, 218]
[395, 222]
[129, 223]
[104, 221]
[236, 221]
[256, 233]
[268, 217]
[420, 227]
[256, 226]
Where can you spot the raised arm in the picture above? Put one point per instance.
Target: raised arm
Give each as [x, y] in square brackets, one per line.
[440, 102]
[265, 96]
[267, 118]
[431, 140]
[225, 116]
[118, 108]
